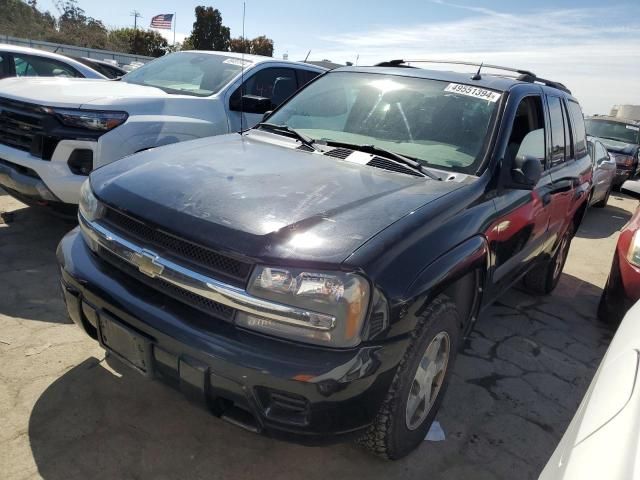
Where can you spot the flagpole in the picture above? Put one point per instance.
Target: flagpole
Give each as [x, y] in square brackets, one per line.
[175, 20]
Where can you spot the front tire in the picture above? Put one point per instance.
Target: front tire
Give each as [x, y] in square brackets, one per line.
[419, 384]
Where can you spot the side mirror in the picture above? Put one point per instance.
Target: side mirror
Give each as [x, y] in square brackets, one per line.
[266, 115]
[251, 104]
[525, 173]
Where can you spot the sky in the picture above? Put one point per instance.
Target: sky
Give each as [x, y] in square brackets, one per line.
[593, 47]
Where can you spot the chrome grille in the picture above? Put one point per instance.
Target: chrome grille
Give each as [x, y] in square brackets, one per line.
[198, 256]
[203, 304]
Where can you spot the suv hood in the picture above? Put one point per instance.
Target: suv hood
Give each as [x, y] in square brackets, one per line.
[615, 146]
[76, 92]
[264, 200]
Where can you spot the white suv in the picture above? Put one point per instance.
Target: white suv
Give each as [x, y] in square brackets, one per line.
[54, 131]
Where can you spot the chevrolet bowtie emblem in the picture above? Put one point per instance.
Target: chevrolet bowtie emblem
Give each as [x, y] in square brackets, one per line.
[146, 263]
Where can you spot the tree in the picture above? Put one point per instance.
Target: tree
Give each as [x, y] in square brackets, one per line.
[140, 42]
[76, 28]
[240, 45]
[262, 46]
[208, 31]
[258, 46]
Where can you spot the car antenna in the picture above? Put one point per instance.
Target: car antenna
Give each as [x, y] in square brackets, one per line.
[477, 76]
[244, 10]
[307, 57]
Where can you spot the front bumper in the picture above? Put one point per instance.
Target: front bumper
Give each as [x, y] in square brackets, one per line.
[621, 176]
[300, 393]
[53, 174]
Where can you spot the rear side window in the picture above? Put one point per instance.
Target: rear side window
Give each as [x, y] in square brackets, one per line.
[580, 136]
[558, 142]
[33, 66]
[276, 83]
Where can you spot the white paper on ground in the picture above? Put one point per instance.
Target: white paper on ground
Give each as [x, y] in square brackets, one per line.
[435, 433]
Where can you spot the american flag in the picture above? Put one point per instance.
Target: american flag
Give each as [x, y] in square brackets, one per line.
[162, 21]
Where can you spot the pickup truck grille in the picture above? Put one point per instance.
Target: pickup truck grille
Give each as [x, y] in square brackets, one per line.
[22, 127]
[201, 258]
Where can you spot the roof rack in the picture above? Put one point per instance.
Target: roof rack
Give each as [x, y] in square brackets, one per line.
[523, 75]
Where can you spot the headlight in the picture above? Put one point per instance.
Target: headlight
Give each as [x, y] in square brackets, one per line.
[90, 208]
[337, 301]
[101, 121]
[622, 159]
[633, 255]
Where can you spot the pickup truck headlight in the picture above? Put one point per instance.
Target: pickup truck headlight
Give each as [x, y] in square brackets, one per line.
[89, 206]
[101, 121]
[337, 303]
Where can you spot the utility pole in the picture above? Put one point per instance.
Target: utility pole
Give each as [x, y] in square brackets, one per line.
[136, 15]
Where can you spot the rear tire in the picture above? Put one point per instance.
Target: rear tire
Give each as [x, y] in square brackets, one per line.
[544, 278]
[406, 415]
[603, 203]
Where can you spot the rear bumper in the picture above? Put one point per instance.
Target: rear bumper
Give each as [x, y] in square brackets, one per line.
[299, 393]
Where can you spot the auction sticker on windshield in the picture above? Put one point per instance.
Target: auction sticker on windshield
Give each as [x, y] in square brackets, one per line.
[481, 93]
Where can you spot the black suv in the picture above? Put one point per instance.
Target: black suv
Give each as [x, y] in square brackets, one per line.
[313, 277]
[621, 137]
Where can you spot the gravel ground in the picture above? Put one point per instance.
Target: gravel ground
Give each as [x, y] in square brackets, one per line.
[67, 413]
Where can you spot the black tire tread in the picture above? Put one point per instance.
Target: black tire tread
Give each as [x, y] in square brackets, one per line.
[374, 439]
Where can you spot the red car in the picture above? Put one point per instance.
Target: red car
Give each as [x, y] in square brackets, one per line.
[623, 285]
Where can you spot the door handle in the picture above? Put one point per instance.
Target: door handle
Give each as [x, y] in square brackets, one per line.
[546, 199]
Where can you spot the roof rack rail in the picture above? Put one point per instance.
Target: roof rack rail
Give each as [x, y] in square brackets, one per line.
[523, 75]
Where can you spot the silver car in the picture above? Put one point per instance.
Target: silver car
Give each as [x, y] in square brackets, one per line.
[604, 170]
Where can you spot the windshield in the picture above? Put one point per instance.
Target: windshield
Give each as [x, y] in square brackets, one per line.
[187, 73]
[437, 123]
[619, 131]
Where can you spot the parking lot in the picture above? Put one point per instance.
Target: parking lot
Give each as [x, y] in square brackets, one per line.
[68, 413]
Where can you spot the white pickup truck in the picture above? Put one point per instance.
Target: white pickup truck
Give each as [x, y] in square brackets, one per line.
[54, 131]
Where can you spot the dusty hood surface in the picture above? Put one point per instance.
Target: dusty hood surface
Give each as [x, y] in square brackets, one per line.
[260, 199]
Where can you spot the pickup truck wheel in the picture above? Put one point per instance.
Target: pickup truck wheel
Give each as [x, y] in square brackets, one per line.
[419, 384]
[543, 278]
[603, 203]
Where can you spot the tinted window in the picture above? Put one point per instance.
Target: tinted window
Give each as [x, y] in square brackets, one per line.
[558, 144]
[527, 132]
[278, 84]
[601, 152]
[3, 66]
[187, 73]
[580, 136]
[569, 151]
[438, 123]
[32, 66]
[305, 76]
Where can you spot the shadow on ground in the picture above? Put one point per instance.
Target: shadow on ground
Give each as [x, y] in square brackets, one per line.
[514, 390]
[28, 271]
[603, 222]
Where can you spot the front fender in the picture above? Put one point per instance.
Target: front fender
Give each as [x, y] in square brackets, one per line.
[471, 255]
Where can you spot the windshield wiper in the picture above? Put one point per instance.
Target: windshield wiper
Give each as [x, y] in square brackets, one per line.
[305, 140]
[375, 150]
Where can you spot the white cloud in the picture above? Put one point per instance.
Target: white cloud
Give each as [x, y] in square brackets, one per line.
[168, 35]
[594, 51]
